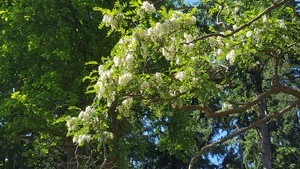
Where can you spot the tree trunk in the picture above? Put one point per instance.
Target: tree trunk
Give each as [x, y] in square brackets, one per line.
[70, 152]
[264, 138]
[265, 142]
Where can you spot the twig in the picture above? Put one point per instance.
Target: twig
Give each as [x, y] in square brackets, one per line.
[267, 10]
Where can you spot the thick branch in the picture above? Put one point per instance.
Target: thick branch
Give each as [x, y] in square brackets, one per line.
[273, 90]
[267, 10]
[239, 131]
[290, 91]
[210, 113]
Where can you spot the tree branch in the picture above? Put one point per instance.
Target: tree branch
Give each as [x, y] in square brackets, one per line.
[208, 112]
[276, 66]
[253, 125]
[273, 90]
[267, 10]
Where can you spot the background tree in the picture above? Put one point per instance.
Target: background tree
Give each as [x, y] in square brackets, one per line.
[44, 48]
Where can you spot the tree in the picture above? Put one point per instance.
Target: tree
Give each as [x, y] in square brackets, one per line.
[44, 48]
[167, 60]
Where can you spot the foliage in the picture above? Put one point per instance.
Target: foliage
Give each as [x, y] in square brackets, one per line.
[44, 48]
[176, 84]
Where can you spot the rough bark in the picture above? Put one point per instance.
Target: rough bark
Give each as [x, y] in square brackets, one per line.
[265, 142]
[70, 149]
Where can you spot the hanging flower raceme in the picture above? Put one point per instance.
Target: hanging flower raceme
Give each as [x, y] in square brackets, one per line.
[147, 7]
[231, 57]
[124, 79]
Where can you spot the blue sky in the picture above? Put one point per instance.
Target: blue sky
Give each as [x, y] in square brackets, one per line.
[191, 1]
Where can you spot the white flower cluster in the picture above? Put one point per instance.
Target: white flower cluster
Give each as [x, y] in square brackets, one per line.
[163, 28]
[105, 79]
[181, 76]
[226, 106]
[235, 27]
[248, 34]
[191, 20]
[231, 57]
[85, 115]
[216, 42]
[122, 62]
[264, 19]
[123, 80]
[188, 45]
[145, 85]
[169, 52]
[82, 138]
[72, 123]
[281, 23]
[147, 7]
[124, 108]
[109, 20]
[183, 89]
[219, 52]
[158, 78]
[257, 35]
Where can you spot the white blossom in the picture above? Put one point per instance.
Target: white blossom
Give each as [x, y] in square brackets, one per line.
[127, 102]
[101, 70]
[219, 52]
[110, 21]
[172, 93]
[123, 80]
[147, 7]
[219, 40]
[168, 53]
[81, 138]
[72, 123]
[188, 37]
[100, 88]
[256, 34]
[84, 115]
[174, 105]
[177, 62]
[177, 14]
[125, 106]
[236, 9]
[231, 57]
[111, 98]
[235, 27]
[264, 19]
[175, 25]
[161, 29]
[180, 76]
[158, 77]
[188, 47]
[226, 106]
[117, 61]
[249, 33]
[145, 85]
[107, 19]
[183, 89]
[191, 20]
[281, 23]
[129, 59]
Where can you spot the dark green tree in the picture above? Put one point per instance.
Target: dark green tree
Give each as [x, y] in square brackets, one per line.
[45, 46]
